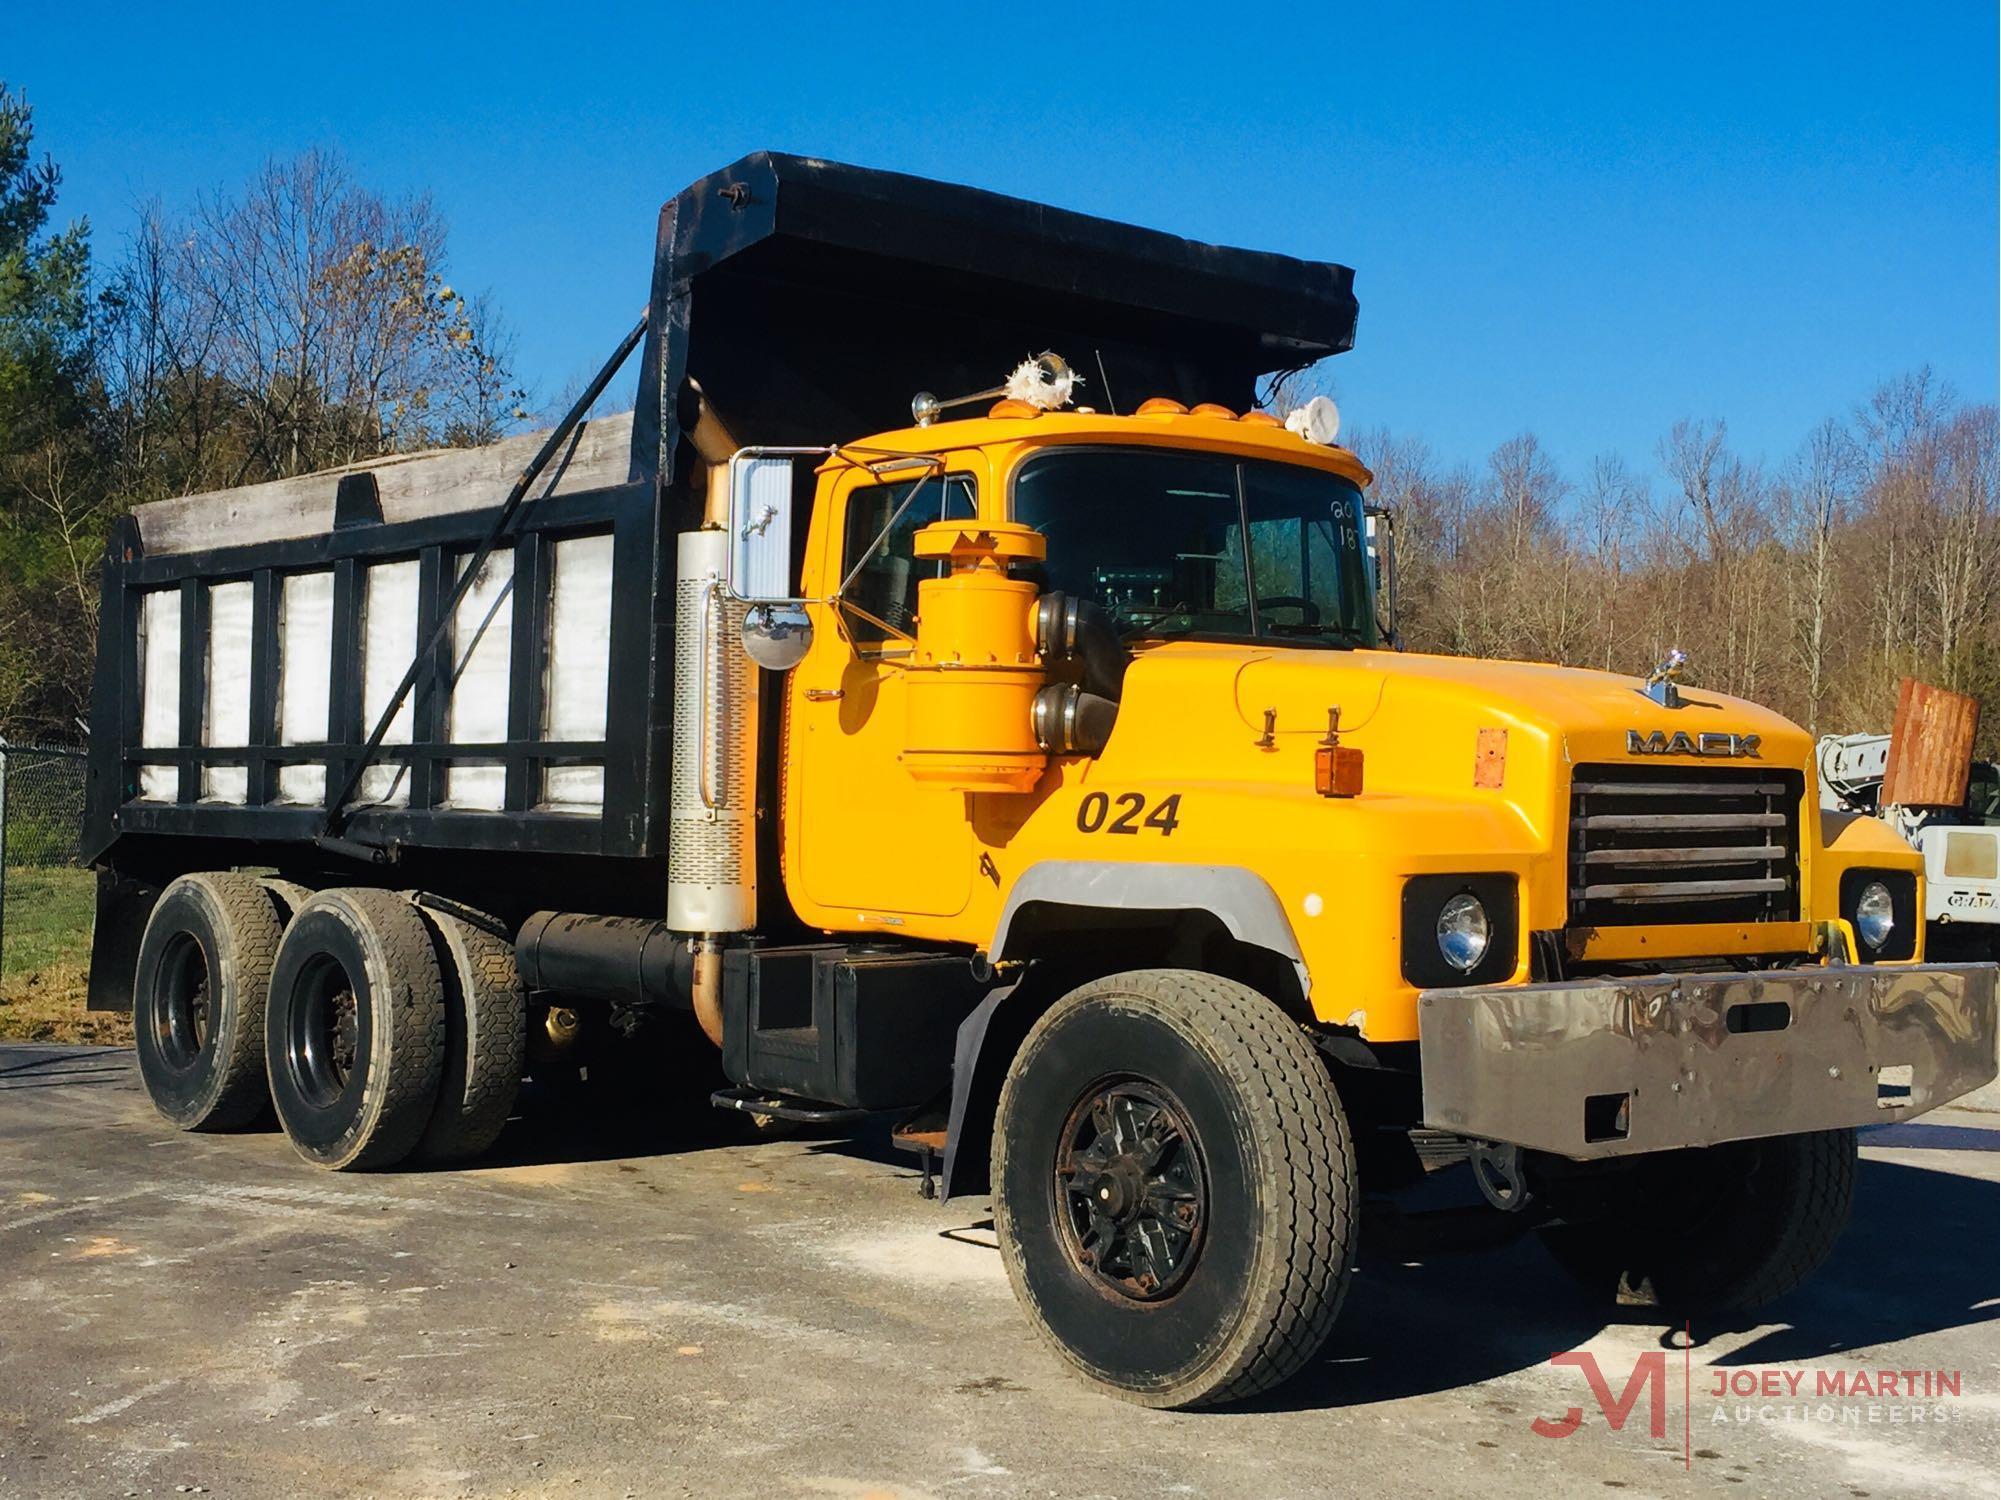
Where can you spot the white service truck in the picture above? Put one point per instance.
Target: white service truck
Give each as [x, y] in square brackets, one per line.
[1961, 845]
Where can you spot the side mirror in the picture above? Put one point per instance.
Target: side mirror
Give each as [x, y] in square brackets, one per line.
[760, 544]
[1380, 540]
[777, 636]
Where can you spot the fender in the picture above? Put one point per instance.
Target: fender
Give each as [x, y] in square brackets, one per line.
[1247, 907]
[1239, 898]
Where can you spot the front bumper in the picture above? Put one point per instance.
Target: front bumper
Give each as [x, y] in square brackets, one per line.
[1697, 1059]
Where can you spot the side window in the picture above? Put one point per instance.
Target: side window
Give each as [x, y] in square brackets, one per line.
[886, 587]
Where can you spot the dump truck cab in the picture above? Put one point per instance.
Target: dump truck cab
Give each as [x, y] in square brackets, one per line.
[1130, 513]
[1046, 778]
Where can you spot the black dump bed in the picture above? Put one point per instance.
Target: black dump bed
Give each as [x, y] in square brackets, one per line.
[248, 637]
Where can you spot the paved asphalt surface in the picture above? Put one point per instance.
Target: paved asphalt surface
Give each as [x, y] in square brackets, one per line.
[207, 1315]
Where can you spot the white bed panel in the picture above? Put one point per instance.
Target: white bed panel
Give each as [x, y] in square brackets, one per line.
[579, 666]
[160, 688]
[573, 789]
[226, 713]
[303, 784]
[482, 642]
[388, 642]
[383, 784]
[305, 658]
[305, 678]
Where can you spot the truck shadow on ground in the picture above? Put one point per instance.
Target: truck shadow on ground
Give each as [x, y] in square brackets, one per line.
[29, 1067]
[1419, 1323]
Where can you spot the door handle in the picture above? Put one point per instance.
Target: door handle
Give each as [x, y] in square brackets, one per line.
[825, 695]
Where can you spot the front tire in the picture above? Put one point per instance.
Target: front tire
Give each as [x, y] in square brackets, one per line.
[1720, 1229]
[198, 998]
[1174, 1188]
[355, 1030]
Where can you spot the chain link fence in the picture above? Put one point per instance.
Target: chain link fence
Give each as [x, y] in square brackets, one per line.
[47, 894]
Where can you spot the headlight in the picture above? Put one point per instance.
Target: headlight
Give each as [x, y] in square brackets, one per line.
[1875, 915]
[1458, 930]
[1463, 932]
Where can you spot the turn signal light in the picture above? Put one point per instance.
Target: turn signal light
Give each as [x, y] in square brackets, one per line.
[1337, 771]
[1337, 768]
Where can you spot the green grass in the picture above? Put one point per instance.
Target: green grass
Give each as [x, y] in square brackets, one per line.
[45, 959]
[48, 915]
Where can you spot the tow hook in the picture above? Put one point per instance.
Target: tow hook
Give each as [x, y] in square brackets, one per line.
[1497, 1168]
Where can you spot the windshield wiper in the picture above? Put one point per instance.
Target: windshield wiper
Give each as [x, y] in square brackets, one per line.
[1349, 634]
[1140, 627]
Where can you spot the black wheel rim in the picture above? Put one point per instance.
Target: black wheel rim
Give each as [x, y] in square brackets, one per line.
[325, 1035]
[1131, 1189]
[183, 1005]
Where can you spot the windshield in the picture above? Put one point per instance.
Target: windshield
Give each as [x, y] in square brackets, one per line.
[1201, 544]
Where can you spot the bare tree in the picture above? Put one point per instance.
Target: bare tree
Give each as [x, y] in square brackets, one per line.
[1613, 504]
[1727, 504]
[303, 323]
[1813, 505]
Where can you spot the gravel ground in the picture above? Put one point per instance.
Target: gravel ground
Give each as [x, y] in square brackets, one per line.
[207, 1315]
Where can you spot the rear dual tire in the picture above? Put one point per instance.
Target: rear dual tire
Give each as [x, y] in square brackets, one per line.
[378, 1030]
[198, 999]
[356, 1031]
[486, 1039]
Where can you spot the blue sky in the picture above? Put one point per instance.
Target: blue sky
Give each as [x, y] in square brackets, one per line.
[1583, 220]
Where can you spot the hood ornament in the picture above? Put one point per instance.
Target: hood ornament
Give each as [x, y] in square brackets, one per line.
[1663, 683]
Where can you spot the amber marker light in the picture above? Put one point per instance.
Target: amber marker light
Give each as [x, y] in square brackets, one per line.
[1337, 768]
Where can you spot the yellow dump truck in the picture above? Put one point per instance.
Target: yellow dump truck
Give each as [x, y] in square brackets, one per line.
[1038, 770]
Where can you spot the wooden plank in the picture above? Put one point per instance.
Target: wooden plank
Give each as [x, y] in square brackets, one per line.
[413, 486]
[1931, 746]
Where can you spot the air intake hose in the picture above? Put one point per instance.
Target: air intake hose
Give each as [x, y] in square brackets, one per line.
[1076, 638]
[1077, 635]
[1070, 721]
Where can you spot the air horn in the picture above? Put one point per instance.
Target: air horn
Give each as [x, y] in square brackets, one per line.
[1044, 382]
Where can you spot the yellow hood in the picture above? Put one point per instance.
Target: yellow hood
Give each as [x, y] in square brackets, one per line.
[1425, 712]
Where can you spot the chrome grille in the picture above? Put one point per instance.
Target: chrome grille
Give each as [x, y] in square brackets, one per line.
[1674, 844]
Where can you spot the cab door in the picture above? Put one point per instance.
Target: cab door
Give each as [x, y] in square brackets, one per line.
[870, 840]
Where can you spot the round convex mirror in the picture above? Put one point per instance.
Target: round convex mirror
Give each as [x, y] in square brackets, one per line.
[776, 636]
